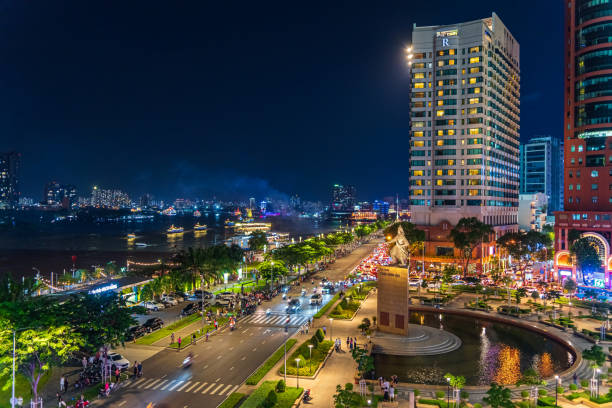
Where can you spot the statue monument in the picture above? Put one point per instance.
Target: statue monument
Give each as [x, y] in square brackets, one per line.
[400, 247]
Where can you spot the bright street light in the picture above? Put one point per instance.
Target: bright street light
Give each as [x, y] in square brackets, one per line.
[310, 346]
[297, 362]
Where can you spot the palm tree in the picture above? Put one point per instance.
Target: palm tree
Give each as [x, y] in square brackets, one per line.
[191, 264]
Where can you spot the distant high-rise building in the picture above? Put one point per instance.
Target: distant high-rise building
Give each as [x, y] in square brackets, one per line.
[295, 202]
[9, 179]
[381, 207]
[109, 198]
[59, 194]
[252, 203]
[587, 135]
[542, 169]
[146, 200]
[343, 197]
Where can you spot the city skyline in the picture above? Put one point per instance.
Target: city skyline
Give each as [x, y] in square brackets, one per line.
[108, 119]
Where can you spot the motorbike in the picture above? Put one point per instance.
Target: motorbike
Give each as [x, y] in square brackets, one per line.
[268, 311]
[307, 396]
[187, 361]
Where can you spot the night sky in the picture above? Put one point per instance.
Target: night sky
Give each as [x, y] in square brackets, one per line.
[236, 98]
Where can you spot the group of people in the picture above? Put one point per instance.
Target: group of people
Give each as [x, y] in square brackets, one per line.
[80, 403]
[388, 388]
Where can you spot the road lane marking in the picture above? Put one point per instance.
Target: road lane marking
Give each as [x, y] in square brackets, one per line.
[231, 348]
[122, 403]
[200, 387]
[255, 349]
[160, 384]
[175, 385]
[241, 341]
[167, 385]
[192, 387]
[233, 389]
[139, 381]
[225, 389]
[245, 331]
[153, 383]
[263, 342]
[218, 379]
[219, 356]
[208, 388]
[164, 376]
[216, 389]
[243, 358]
[231, 368]
[183, 386]
[206, 366]
[149, 380]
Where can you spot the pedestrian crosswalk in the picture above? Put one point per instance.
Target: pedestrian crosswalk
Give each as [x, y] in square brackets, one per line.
[280, 320]
[194, 387]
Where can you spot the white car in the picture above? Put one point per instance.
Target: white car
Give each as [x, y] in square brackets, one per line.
[316, 299]
[153, 306]
[117, 359]
[170, 300]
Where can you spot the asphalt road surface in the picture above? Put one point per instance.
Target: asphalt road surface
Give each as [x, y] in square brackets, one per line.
[223, 363]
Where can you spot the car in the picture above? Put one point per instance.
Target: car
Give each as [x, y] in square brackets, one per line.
[153, 323]
[414, 282]
[135, 332]
[117, 359]
[316, 299]
[293, 306]
[179, 296]
[190, 309]
[153, 305]
[221, 302]
[167, 299]
[198, 293]
[328, 289]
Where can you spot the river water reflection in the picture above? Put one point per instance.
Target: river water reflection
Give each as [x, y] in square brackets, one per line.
[491, 352]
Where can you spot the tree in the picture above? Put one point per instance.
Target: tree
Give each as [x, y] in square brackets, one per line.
[455, 381]
[37, 351]
[191, 263]
[272, 270]
[499, 397]
[535, 295]
[520, 293]
[365, 362]
[595, 354]
[99, 319]
[586, 256]
[530, 377]
[448, 273]
[523, 245]
[345, 397]
[257, 240]
[467, 235]
[12, 290]
[570, 286]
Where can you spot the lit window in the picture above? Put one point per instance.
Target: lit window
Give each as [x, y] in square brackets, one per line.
[474, 60]
[440, 113]
[451, 132]
[571, 187]
[474, 131]
[451, 62]
[577, 186]
[439, 182]
[419, 84]
[419, 75]
[473, 192]
[451, 172]
[594, 173]
[438, 172]
[418, 172]
[418, 134]
[440, 93]
[440, 142]
[594, 187]
[474, 100]
[476, 90]
[440, 102]
[573, 148]
[418, 192]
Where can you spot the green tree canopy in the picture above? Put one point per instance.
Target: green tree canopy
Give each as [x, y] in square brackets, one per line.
[499, 397]
[467, 235]
[257, 240]
[586, 255]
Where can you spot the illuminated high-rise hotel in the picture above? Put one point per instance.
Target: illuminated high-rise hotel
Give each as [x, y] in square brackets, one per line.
[464, 147]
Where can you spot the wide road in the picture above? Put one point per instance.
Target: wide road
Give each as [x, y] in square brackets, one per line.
[223, 363]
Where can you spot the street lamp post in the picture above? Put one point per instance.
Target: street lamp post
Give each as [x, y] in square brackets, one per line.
[556, 389]
[448, 392]
[310, 346]
[13, 385]
[297, 362]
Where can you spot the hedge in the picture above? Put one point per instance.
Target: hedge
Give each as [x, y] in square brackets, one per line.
[307, 367]
[325, 308]
[269, 363]
[285, 399]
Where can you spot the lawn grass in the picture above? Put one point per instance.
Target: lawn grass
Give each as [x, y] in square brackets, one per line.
[326, 307]
[345, 310]
[22, 387]
[199, 333]
[269, 363]
[232, 400]
[307, 367]
[285, 399]
[167, 330]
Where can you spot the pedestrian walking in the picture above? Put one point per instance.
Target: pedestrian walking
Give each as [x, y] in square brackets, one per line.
[391, 393]
[575, 378]
[216, 324]
[140, 369]
[84, 362]
[193, 339]
[348, 342]
[135, 368]
[62, 384]
[60, 401]
[206, 334]
[179, 343]
[172, 338]
[117, 374]
[324, 331]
